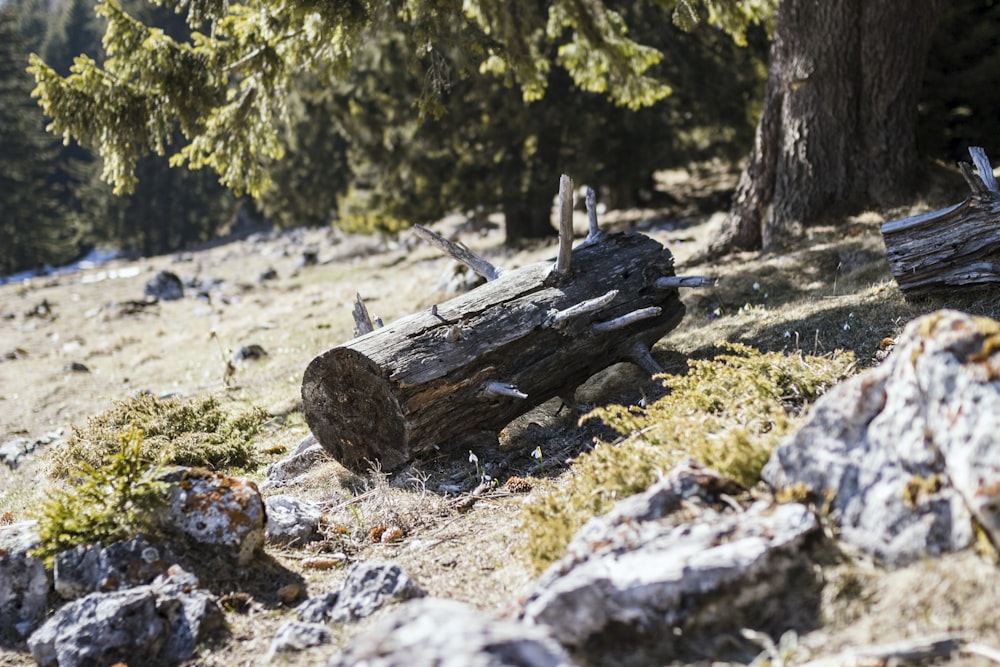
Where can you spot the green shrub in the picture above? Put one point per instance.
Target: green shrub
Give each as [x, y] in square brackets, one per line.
[103, 504]
[728, 412]
[189, 432]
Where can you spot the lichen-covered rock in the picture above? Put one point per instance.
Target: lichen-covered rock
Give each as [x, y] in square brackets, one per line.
[24, 585]
[667, 560]
[222, 513]
[907, 453]
[444, 633]
[93, 568]
[369, 587]
[157, 624]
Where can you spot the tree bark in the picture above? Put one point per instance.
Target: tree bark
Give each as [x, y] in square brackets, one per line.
[951, 249]
[480, 360]
[837, 129]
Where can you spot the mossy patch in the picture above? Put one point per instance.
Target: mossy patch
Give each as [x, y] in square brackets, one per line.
[105, 503]
[190, 432]
[728, 412]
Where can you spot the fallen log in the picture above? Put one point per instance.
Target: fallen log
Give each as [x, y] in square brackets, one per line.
[478, 361]
[952, 248]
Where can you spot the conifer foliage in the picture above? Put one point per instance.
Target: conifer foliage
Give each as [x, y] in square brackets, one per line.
[31, 229]
[226, 87]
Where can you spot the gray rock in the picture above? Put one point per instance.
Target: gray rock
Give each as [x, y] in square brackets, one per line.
[250, 352]
[24, 586]
[165, 286]
[93, 568]
[14, 451]
[156, 624]
[318, 609]
[306, 455]
[908, 452]
[445, 633]
[191, 614]
[296, 636]
[221, 513]
[369, 587]
[102, 629]
[290, 521]
[666, 559]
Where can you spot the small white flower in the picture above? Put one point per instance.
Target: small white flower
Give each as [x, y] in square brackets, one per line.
[473, 458]
[756, 287]
[847, 326]
[537, 454]
[788, 334]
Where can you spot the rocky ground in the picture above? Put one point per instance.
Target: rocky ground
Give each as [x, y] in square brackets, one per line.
[70, 345]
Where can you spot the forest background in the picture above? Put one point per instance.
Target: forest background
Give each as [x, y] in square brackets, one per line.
[401, 140]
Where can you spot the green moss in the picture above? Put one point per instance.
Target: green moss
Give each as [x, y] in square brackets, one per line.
[190, 432]
[728, 412]
[103, 504]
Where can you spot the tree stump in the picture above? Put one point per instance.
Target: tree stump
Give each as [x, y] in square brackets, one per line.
[478, 361]
[953, 248]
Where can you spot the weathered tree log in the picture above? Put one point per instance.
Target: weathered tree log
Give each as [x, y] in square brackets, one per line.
[480, 360]
[953, 248]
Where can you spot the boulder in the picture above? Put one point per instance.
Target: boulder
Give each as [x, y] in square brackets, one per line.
[369, 587]
[906, 454]
[157, 624]
[215, 511]
[290, 521]
[668, 565]
[444, 633]
[24, 585]
[93, 568]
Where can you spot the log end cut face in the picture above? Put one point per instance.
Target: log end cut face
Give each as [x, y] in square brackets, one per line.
[350, 407]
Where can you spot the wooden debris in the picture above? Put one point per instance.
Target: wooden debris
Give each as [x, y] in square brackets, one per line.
[471, 365]
[953, 248]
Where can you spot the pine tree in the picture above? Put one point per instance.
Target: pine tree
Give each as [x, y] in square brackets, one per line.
[32, 224]
[226, 88]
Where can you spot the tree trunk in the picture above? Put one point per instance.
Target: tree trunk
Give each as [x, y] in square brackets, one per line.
[480, 360]
[837, 130]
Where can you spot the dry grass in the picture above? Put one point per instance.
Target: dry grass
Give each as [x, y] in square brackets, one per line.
[832, 291]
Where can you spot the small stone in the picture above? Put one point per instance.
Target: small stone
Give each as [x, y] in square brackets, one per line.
[324, 562]
[289, 594]
[290, 521]
[76, 367]
[369, 587]
[165, 286]
[444, 632]
[250, 352]
[297, 636]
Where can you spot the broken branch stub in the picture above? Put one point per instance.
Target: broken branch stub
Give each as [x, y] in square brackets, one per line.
[953, 248]
[482, 359]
